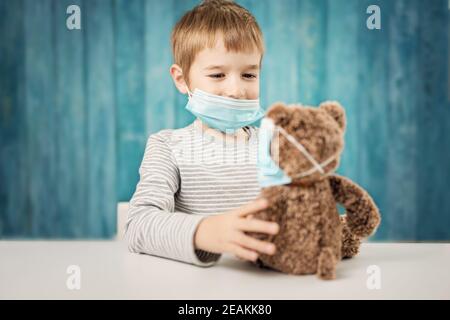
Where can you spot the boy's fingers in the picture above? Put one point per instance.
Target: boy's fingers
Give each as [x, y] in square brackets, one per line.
[243, 253]
[256, 245]
[252, 207]
[256, 225]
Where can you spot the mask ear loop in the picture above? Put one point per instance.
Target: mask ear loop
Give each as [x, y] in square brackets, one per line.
[312, 170]
[302, 149]
[188, 91]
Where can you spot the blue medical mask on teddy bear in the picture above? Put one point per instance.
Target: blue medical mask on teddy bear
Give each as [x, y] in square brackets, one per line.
[223, 113]
[269, 173]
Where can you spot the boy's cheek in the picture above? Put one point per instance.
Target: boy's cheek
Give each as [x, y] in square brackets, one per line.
[255, 93]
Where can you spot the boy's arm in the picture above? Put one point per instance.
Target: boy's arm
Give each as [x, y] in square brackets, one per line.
[153, 225]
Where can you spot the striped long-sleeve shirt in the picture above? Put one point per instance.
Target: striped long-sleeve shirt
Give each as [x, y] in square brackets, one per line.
[187, 174]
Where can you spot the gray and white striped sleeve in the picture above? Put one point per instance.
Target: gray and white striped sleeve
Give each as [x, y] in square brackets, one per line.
[153, 226]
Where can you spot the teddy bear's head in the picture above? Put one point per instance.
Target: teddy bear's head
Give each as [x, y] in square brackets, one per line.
[320, 130]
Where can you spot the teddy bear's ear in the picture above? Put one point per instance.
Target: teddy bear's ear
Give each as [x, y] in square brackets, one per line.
[335, 109]
[278, 112]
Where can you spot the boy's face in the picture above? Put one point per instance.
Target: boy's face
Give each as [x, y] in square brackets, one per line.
[225, 73]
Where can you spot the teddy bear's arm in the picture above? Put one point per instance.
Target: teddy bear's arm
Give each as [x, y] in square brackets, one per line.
[363, 216]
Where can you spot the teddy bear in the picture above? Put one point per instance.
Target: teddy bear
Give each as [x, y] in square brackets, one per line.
[313, 237]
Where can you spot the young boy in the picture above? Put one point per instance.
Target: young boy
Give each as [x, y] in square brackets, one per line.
[193, 210]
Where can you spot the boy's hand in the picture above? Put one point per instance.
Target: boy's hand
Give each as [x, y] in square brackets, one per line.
[225, 232]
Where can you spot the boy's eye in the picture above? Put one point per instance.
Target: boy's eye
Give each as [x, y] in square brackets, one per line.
[249, 75]
[217, 75]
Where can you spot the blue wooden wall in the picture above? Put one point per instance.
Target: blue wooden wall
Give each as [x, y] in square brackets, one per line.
[78, 106]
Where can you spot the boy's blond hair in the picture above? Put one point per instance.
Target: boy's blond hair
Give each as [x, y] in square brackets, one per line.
[199, 27]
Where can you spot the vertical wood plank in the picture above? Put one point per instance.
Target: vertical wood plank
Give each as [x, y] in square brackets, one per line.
[160, 89]
[130, 90]
[101, 112]
[433, 124]
[281, 45]
[342, 76]
[13, 176]
[310, 38]
[43, 217]
[404, 100]
[374, 108]
[72, 157]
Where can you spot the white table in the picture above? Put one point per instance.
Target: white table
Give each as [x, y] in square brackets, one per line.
[38, 270]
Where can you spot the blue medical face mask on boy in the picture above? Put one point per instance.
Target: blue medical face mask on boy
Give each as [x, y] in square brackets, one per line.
[269, 173]
[223, 113]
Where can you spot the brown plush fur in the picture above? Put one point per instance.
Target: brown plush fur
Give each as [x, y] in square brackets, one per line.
[313, 237]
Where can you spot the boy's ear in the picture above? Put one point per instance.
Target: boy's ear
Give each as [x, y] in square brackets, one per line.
[178, 78]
